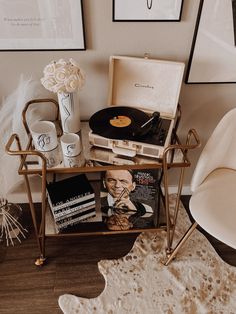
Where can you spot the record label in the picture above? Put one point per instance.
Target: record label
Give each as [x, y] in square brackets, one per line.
[120, 121]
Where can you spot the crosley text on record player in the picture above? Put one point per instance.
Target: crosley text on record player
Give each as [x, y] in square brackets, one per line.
[142, 104]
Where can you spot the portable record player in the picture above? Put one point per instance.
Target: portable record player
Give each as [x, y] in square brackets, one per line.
[142, 105]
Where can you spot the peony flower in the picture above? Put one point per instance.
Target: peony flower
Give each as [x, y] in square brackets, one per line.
[59, 88]
[63, 76]
[48, 82]
[49, 69]
[72, 83]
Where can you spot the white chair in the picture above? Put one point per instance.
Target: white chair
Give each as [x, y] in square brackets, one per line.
[213, 201]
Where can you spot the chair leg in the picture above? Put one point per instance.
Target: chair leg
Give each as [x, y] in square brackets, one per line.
[181, 242]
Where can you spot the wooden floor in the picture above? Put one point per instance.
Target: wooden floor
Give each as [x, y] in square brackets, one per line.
[71, 268]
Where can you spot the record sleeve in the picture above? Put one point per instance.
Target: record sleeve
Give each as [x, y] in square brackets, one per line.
[138, 207]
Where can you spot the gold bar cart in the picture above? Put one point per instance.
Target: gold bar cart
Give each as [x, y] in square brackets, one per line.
[175, 156]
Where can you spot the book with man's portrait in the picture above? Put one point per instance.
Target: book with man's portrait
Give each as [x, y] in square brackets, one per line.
[129, 198]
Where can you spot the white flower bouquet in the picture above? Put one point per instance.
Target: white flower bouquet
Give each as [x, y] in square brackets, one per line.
[63, 76]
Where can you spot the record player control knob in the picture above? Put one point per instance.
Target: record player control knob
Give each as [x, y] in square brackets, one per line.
[162, 137]
[138, 147]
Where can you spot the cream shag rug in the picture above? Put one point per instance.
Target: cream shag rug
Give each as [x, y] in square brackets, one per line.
[197, 281]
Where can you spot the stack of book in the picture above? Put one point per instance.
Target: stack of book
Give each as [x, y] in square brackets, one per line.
[71, 200]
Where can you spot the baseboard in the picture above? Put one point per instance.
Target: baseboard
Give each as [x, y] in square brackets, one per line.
[185, 190]
[18, 193]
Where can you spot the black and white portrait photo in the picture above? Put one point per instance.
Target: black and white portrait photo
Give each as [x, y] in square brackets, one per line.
[147, 10]
[128, 198]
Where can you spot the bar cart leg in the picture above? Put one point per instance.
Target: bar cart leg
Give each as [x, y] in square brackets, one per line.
[171, 223]
[180, 244]
[39, 261]
[42, 258]
[167, 209]
[176, 210]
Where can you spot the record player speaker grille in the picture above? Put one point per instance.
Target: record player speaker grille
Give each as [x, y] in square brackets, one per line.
[150, 151]
[101, 142]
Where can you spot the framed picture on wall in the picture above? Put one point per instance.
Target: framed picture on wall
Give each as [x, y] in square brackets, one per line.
[213, 52]
[147, 10]
[41, 25]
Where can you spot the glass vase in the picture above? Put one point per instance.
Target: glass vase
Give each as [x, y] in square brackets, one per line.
[69, 112]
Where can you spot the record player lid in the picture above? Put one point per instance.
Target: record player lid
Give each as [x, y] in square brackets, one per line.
[146, 84]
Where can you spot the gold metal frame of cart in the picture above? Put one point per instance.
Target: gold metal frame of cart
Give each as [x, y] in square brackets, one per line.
[165, 164]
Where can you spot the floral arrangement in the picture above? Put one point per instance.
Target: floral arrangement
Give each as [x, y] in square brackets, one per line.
[63, 76]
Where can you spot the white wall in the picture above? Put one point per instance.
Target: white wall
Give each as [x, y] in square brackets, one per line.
[202, 105]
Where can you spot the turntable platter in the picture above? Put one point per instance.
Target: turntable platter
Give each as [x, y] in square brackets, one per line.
[118, 123]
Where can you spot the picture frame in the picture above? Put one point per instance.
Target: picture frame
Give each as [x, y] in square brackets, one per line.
[37, 25]
[147, 10]
[213, 52]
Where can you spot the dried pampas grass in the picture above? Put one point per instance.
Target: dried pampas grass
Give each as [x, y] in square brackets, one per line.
[11, 122]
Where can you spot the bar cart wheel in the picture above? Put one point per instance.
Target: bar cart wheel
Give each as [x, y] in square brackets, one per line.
[40, 261]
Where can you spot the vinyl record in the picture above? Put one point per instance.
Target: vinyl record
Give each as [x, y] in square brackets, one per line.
[117, 122]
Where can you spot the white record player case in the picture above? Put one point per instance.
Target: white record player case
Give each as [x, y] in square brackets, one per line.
[146, 84]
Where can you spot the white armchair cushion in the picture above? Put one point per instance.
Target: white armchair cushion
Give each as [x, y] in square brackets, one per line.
[213, 205]
[220, 150]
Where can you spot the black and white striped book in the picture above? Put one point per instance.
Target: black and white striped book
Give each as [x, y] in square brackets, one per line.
[76, 218]
[71, 199]
[69, 191]
[75, 210]
[70, 209]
